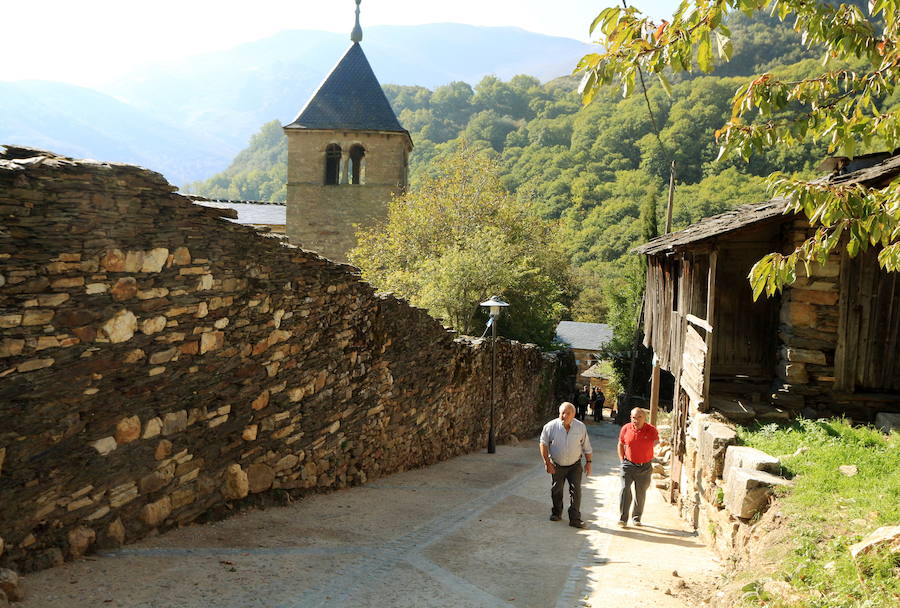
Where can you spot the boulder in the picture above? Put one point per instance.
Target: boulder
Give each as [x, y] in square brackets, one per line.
[850, 470]
[80, 540]
[736, 410]
[714, 440]
[11, 585]
[743, 457]
[236, 485]
[260, 477]
[884, 536]
[888, 421]
[747, 491]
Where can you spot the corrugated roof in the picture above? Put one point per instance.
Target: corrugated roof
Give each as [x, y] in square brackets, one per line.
[876, 176]
[583, 336]
[350, 98]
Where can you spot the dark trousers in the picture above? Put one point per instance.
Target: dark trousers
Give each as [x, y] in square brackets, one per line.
[572, 474]
[640, 475]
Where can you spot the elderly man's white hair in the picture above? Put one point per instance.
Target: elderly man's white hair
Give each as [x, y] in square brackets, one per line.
[566, 405]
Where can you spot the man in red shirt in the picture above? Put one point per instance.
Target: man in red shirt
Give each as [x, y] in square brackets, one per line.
[636, 441]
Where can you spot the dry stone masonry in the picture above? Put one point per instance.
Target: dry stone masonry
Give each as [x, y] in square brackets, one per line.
[158, 362]
[723, 488]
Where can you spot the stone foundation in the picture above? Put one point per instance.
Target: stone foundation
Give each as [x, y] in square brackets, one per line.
[724, 488]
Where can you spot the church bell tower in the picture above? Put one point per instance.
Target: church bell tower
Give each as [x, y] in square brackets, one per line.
[347, 155]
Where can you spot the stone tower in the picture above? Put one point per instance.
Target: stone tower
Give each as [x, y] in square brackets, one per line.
[347, 154]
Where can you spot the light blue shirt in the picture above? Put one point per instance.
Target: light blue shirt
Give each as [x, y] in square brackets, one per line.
[566, 447]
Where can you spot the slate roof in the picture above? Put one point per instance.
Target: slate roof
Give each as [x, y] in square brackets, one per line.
[875, 176]
[715, 225]
[594, 371]
[349, 98]
[583, 336]
[252, 213]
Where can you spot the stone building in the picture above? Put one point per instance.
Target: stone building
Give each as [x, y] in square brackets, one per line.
[585, 340]
[347, 155]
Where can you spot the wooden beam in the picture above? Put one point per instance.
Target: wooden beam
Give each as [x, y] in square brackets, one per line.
[701, 323]
[710, 315]
[654, 391]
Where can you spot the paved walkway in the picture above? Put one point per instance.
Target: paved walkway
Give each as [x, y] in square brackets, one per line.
[469, 532]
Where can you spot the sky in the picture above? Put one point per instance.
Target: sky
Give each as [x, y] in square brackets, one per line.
[88, 42]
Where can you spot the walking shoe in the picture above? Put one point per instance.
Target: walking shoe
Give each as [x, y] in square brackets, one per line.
[555, 518]
[622, 524]
[636, 523]
[577, 523]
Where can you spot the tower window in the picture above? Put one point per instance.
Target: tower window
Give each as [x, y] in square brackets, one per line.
[357, 164]
[332, 164]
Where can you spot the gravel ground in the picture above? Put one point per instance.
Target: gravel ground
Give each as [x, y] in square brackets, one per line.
[469, 532]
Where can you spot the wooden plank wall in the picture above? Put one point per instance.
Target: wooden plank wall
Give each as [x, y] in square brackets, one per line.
[665, 325]
[694, 362]
[869, 335]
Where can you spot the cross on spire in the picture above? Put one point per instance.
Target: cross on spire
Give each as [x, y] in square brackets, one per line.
[356, 34]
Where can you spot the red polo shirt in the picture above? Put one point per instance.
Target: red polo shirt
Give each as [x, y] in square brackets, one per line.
[638, 443]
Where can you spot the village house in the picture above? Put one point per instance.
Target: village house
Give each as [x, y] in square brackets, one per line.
[585, 340]
[826, 346]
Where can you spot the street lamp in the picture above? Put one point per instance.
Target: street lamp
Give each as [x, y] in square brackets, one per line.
[494, 304]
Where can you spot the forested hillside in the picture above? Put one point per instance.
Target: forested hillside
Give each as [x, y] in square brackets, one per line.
[591, 167]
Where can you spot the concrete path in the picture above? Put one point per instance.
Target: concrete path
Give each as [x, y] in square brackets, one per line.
[469, 532]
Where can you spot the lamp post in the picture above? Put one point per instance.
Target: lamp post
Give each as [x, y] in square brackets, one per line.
[494, 304]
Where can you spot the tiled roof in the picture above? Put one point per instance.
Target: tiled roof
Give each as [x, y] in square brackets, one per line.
[350, 98]
[583, 336]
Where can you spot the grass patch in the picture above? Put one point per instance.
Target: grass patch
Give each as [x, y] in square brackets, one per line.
[829, 511]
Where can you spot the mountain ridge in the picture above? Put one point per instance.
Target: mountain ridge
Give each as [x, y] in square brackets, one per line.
[188, 118]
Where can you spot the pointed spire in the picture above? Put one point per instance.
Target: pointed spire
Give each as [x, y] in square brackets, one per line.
[356, 34]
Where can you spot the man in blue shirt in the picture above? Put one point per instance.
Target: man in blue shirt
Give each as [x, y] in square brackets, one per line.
[563, 441]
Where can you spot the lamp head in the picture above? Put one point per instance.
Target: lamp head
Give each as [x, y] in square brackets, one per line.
[495, 304]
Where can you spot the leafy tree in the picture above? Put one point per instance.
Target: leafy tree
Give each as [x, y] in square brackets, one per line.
[841, 106]
[501, 97]
[459, 238]
[489, 126]
[454, 102]
[408, 97]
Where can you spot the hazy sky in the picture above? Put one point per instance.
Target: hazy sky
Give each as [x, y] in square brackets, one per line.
[89, 41]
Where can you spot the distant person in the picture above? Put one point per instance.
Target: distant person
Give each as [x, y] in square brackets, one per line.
[563, 441]
[599, 401]
[635, 448]
[621, 414]
[582, 400]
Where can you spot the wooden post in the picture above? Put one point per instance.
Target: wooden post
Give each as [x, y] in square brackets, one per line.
[654, 391]
[671, 198]
[710, 317]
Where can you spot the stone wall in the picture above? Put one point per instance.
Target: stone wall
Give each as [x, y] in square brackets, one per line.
[158, 362]
[723, 488]
[808, 333]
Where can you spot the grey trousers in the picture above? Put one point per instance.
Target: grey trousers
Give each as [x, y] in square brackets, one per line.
[640, 475]
[572, 474]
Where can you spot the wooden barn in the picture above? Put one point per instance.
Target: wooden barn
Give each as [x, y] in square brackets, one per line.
[827, 345]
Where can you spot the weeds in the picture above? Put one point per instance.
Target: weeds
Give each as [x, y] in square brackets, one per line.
[828, 511]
